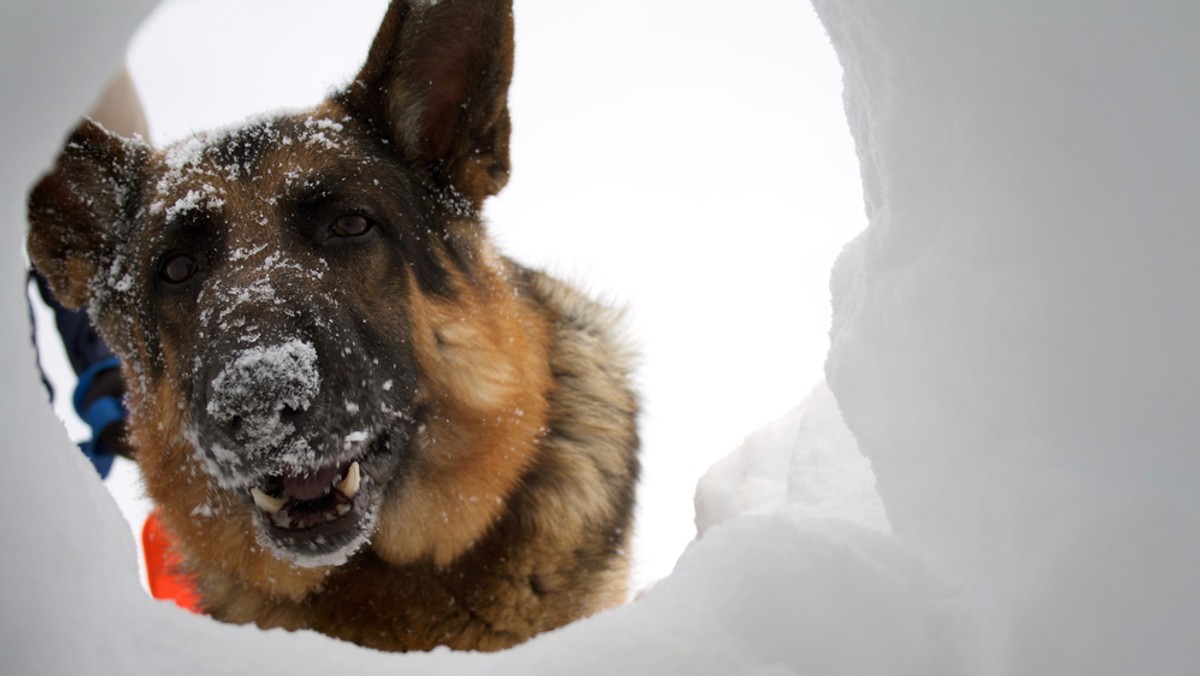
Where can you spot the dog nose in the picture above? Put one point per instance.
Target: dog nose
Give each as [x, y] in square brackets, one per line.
[256, 393]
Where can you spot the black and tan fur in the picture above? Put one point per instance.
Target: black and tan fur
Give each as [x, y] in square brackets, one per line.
[502, 438]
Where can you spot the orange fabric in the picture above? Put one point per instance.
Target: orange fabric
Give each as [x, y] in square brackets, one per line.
[162, 568]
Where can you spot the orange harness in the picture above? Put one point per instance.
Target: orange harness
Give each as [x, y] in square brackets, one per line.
[167, 582]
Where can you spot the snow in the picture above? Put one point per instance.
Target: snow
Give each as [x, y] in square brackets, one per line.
[194, 199]
[287, 370]
[256, 387]
[1014, 349]
[807, 465]
[1015, 335]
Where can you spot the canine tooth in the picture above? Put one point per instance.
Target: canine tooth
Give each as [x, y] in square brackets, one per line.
[267, 503]
[349, 486]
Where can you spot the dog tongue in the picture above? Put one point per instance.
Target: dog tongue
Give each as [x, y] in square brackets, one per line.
[310, 486]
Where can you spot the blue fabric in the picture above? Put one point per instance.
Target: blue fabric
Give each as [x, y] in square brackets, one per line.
[100, 456]
[89, 356]
[103, 412]
[85, 385]
[99, 414]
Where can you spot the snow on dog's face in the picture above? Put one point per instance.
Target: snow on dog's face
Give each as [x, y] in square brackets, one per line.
[308, 313]
[280, 257]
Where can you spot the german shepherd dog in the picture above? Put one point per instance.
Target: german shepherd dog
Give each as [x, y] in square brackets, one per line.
[354, 415]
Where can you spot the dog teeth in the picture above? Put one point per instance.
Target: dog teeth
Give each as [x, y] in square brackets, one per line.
[275, 507]
[349, 486]
[267, 503]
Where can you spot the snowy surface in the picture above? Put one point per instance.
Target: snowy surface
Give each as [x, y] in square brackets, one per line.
[1014, 348]
[806, 464]
[1016, 337]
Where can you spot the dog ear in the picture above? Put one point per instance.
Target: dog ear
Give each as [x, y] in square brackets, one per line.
[78, 211]
[436, 84]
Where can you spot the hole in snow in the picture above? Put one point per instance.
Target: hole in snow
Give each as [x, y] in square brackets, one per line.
[700, 171]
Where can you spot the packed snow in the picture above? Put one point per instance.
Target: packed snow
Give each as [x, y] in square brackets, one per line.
[1016, 336]
[255, 388]
[1014, 351]
[265, 380]
[807, 464]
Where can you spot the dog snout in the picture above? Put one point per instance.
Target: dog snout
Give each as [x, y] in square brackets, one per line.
[259, 393]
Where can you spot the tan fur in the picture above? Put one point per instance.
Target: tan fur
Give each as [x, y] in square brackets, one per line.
[522, 576]
[485, 358]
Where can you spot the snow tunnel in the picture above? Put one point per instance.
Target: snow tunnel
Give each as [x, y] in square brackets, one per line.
[1013, 348]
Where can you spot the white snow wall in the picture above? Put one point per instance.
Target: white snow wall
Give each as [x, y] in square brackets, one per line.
[1016, 341]
[56, 56]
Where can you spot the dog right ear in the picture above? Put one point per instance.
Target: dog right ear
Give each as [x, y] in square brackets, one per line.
[78, 210]
[436, 85]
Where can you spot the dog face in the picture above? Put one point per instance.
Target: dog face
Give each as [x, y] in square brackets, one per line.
[268, 265]
[317, 337]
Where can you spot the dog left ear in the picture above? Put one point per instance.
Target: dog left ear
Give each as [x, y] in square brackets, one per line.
[436, 84]
[80, 210]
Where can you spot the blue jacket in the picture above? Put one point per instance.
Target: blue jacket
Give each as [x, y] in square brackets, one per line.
[98, 392]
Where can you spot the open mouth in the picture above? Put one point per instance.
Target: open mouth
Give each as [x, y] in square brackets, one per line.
[302, 502]
[317, 516]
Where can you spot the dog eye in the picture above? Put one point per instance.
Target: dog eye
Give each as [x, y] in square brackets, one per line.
[179, 268]
[350, 225]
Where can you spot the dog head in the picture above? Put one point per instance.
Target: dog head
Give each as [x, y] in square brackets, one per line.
[316, 334]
